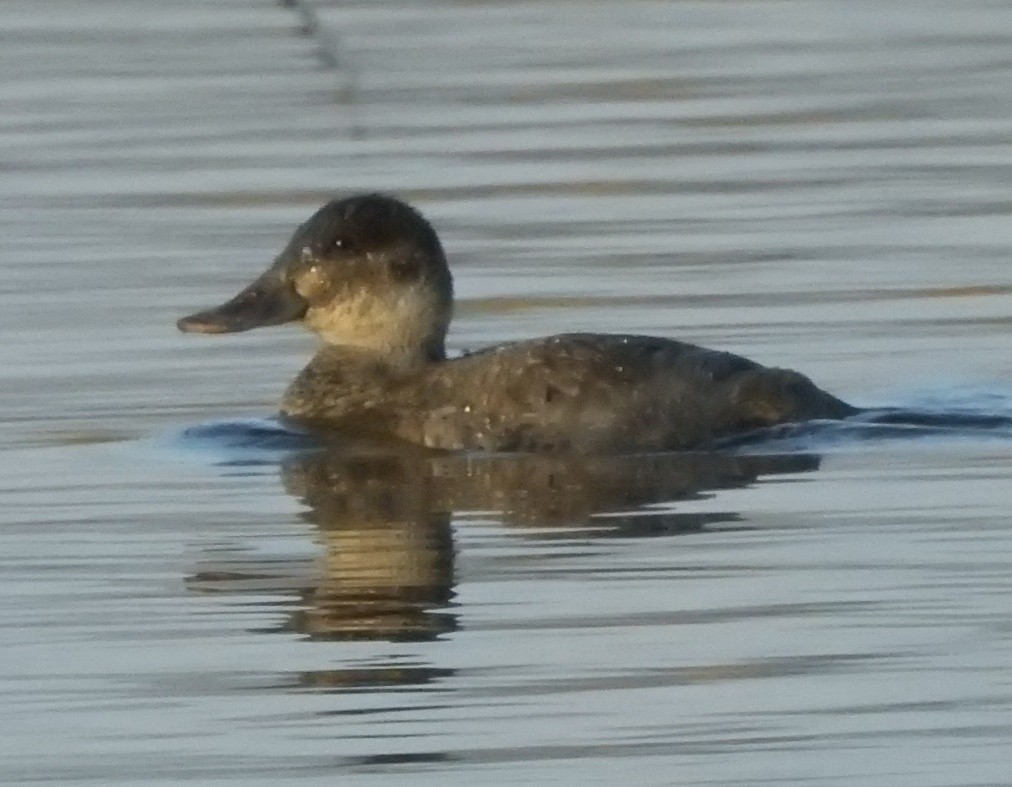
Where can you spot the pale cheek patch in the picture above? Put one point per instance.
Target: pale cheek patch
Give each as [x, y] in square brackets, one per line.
[345, 319]
[311, 283]
[399, 318]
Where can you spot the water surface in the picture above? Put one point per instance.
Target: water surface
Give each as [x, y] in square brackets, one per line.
[817, 185]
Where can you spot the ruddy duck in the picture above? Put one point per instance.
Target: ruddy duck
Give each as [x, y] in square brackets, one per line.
[368, 275]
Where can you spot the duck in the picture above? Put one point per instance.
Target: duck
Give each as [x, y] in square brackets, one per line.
[368, 275]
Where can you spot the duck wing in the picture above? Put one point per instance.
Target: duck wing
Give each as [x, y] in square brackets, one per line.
[608, 393]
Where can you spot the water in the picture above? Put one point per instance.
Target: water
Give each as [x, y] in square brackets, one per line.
[188, 594]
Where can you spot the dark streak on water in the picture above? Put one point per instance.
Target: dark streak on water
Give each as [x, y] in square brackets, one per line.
[192, 593]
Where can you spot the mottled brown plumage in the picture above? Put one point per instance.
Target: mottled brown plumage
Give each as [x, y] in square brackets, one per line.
[369, 276]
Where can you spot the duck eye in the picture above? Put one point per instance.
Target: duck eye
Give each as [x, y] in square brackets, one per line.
[340, 244]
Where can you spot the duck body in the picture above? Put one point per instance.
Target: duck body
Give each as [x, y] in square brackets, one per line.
[368, 275]
[591, 393]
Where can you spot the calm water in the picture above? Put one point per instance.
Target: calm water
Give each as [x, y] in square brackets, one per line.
[818, 185]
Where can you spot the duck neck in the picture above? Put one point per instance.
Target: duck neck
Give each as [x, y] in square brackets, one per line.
[397, 356]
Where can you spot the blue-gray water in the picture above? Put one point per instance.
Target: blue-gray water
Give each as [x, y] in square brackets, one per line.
[818, 185]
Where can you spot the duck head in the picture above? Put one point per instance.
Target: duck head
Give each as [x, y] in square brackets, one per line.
[367, 272]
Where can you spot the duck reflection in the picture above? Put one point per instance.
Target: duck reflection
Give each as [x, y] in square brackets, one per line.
[386, 564]
[571, 492]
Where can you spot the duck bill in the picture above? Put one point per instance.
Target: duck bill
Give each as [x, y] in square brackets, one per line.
[267, 301]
